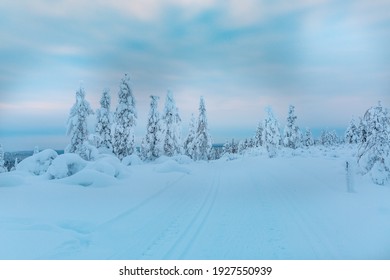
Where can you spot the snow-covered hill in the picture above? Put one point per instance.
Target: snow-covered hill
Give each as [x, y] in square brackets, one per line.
[252, 207]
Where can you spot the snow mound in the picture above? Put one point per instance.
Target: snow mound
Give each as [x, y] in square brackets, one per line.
[162, 159]
[229, 156]
[132, 160]
[378, 173]
[182, 159]
[90, 178]
[107, 164]
[171, 166]
[39, 163]
[9, 179]
[66, 165]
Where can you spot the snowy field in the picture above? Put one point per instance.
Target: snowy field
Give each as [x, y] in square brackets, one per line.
[251, 207]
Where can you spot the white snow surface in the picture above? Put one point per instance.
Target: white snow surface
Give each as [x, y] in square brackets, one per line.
[293, 206]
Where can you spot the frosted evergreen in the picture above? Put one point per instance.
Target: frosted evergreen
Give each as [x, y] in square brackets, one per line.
[203, 139]
[352, 133]
[36, 150]
[292, 135]
[104, 122]
[189, 143]
[329, 138]
[172, 140]
[125, 120]
[259, 135]
[151, 147]
[374, 153]
[2, 161]
[77, 126]
[307, 139]
[271, 136]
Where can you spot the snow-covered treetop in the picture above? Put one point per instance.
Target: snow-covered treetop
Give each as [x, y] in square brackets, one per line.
[171, 112]
[126, 98]
[105, 100]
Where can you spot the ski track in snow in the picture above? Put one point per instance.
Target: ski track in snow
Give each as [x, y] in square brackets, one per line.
[256, 212]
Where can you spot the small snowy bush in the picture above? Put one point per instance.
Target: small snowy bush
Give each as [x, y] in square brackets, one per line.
[38, 163]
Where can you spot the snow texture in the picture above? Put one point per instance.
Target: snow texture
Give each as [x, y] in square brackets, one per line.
[297, 207]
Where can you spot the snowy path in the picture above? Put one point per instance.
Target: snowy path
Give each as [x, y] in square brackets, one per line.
[244, 209]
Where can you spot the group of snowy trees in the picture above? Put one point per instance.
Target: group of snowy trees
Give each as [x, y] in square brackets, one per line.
[269, 136]
[114, 132]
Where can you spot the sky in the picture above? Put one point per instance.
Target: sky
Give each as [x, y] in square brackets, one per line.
[330, 59]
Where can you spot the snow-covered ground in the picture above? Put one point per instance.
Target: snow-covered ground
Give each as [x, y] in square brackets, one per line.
[252, 207]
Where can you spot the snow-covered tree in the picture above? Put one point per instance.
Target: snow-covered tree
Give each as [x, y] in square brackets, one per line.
[151, 147]
[172, 140]
[259, 135]
[374, 153]
[189, 143]
[292, 135]
[36, 150]
[2, 161]
[77, 126]
[271, 135]
[307, 139]
[104, 122]
[15, 164]
[352, 133]
[251, 143]
[329, 138]
[203, 139]
[362, 131]
[243, 146]
[125, 120]
[230, 147]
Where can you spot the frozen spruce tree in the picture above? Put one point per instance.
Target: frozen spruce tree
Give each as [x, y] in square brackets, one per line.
[259, 135]
[362, 131]
[271, 136]
[292, 135]
[151, 147]
[374, 153]
[189, 143]
[307, 139]
[104, 123]
[352, 133]
[36, 150]
[125, 120]
[172, 140]
[2, 161]
[202, 139]
[77, 126]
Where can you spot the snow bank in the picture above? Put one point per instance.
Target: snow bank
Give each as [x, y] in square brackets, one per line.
[66, 165]
[171, 166]
[109, 165]
[182, 159]
[90, 178]
[39, 163]
[10, 179]
[132, 160]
